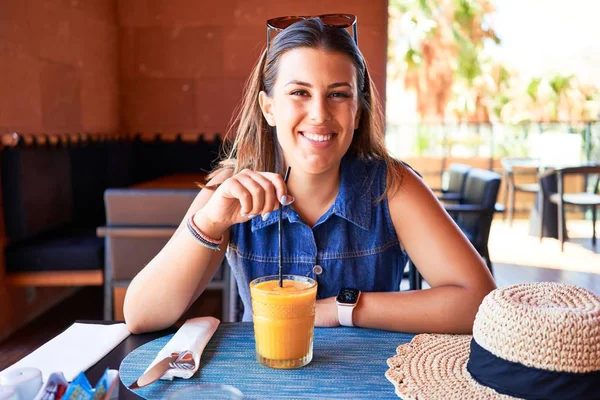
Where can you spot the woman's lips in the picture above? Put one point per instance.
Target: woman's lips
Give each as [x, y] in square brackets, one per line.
[317, 138]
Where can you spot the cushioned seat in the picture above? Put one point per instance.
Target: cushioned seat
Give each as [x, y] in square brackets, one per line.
[476, 210]
[67, 248]
[577, 199]
[456, 183]
[528, 187]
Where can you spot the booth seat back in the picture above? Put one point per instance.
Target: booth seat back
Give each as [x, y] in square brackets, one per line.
[36, 191]
[40, 213]
[53, 202]
[481, 189]
[153, 159]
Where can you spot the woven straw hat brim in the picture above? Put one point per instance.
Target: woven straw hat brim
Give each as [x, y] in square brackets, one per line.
[435, 367]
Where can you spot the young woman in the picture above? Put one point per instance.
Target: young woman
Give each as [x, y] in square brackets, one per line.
[351, 213]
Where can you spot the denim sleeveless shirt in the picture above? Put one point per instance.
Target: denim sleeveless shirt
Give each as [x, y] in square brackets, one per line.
[354, 244]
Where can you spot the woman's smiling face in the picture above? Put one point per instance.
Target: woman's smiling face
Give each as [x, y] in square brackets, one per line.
[314, 106]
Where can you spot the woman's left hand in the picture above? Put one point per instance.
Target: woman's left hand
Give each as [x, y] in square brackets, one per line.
[326, 313]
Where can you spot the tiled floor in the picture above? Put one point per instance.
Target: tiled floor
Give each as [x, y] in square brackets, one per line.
[507, 274]
[517, 258]
[514, 246]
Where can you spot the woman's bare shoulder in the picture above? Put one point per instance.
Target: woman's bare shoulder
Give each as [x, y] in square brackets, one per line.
[410, 189]
[400, 175]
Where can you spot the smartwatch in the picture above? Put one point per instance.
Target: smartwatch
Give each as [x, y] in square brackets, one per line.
[346, 300]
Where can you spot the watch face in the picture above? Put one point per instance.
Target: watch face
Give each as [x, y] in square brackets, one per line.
[348, 296]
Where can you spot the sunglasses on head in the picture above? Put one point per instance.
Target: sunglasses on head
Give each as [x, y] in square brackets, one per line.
[332, 20]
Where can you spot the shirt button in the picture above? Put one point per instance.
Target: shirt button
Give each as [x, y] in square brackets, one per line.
[318, 270]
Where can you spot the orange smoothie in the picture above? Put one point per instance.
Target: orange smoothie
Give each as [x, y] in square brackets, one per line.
[284, 319]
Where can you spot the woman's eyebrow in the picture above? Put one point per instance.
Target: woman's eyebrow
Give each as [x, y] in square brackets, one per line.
[333, 85]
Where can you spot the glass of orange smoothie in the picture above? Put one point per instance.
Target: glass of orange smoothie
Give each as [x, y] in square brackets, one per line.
[284, 320]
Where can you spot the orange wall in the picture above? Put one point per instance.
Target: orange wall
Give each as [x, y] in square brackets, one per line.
[59, 69]
[184, 62]
[145, 65]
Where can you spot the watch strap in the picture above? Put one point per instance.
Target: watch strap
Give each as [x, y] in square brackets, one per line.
[345, 314]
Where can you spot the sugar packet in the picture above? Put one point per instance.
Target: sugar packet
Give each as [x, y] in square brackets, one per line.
[81, 389]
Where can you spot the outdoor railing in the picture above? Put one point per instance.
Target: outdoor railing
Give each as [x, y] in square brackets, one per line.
[558, 142]
[431, 148]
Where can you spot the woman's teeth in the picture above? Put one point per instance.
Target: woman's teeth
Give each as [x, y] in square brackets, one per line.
[317, 138]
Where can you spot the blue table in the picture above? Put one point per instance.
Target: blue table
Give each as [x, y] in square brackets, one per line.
[347, 363]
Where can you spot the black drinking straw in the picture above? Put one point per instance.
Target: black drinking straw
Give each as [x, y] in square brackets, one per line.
[280, 226]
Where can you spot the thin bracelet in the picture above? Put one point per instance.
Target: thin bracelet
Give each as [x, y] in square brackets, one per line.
[205, 237]
[199, 238]
[205, 240]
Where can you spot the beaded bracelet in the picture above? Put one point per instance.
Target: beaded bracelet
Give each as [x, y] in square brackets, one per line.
[204, 240]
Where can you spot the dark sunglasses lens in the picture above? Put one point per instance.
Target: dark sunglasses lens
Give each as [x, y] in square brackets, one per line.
[342, 21]
[282, 23]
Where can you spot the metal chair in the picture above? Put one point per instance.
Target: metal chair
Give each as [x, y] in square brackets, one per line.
[518, 166]
[476, 210]
[474, 215]
[584, 198]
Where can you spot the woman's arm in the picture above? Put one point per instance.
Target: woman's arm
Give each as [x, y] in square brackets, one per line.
[166, 287]
[458, 277]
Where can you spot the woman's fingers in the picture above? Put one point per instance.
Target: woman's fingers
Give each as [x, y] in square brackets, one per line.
[261, 192]
[270, 195]
[258, 193]
[280, 189]
[237, 190]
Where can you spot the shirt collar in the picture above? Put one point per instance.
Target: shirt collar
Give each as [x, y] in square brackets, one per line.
[353, 202]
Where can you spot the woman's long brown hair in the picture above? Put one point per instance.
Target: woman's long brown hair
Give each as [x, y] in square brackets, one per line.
[254, 145]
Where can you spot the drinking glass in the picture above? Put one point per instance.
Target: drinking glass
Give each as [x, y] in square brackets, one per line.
[284, 319]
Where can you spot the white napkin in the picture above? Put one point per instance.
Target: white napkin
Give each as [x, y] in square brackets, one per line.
[193, 335]
[75, 350]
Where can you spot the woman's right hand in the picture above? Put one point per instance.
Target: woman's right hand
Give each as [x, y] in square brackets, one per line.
[240, 197]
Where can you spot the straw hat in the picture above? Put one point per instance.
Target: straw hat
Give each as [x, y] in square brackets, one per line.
[534, 340]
